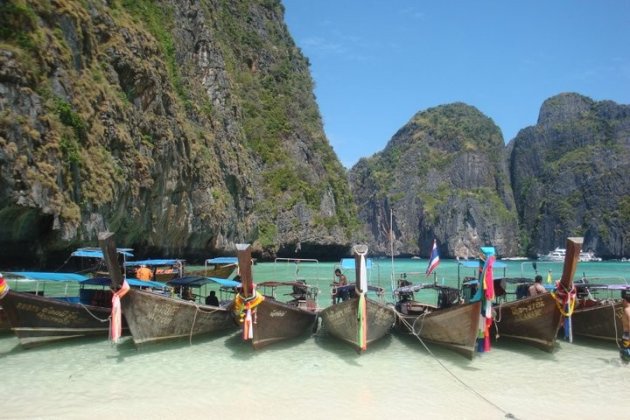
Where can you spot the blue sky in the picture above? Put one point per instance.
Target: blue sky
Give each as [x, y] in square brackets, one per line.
[377, 62]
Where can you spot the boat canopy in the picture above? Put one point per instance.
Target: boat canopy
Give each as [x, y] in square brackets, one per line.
[106, 281]
[222, 260]
[417, 287]
[198, 281]
[348, 263]
[97, 253]
[38, 275]
[475, 263]
[153, 263]
[285, 283]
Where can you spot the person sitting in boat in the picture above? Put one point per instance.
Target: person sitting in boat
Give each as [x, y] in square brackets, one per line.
[212, 299]
[537, 288]
[144, 273]
[625, 320]
[340, 295]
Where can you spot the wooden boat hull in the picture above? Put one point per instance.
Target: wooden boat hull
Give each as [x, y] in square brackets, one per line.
[153, 317]
[602, 321]
[276, 321]
[37, 320]
[4, 322]
[455, 328]
[533, 320]
[340, 320]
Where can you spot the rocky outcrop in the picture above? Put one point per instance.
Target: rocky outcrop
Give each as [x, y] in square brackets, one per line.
[442, 176]
[569, 176]
[183, 126]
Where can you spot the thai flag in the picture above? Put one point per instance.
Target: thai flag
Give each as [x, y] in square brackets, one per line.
[434, 261]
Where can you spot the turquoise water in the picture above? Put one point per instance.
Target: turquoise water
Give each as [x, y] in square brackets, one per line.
[316, 377]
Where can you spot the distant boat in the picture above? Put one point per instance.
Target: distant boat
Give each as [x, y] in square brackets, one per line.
[558, 254]
[218, 267]
[515, 259]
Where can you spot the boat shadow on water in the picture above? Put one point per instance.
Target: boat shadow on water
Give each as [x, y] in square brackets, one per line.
[77, 343]
[514, 346]
[414, 344]
[243, 350]
[126, 348]
[327, 342]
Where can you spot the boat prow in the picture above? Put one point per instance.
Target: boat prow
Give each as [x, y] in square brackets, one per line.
[341, 321]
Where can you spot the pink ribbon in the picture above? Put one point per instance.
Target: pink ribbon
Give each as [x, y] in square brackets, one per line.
[116, 325]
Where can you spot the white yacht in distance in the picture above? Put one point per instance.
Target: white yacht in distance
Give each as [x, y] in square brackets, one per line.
[558, 254]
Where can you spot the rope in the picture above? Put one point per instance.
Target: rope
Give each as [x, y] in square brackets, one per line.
[192, 327]
[464, 384]
[94, 316]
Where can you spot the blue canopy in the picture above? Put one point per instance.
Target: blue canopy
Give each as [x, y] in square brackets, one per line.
[222, 260]
[475, 263]
[38, 275]
[97, 253]
[348, 263]
[106, 281]
[198, 281]
[152, 263]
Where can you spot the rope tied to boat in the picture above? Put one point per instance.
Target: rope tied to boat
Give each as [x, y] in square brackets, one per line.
[192, 326]
[108, 319]
[406, 323]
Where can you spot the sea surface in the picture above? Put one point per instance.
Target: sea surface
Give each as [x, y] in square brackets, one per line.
[317, 377]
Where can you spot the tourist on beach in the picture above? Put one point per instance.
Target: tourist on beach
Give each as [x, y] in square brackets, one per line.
[212, 299]
[338, 295]
[144, 273]
[625, 319]
[537, 288]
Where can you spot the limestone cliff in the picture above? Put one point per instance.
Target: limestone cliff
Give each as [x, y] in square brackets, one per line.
[570, 176]
[184, 126]
[444, 176]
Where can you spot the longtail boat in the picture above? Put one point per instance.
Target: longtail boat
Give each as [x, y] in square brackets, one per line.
[57, 306]
[536, 320]
[265, 319]
[598, 310]
[218, 267]
[447, 323]
[359, 320]
[161, 269]
[154, 317]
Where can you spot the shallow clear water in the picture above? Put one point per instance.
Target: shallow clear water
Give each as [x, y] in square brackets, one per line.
[312, 378]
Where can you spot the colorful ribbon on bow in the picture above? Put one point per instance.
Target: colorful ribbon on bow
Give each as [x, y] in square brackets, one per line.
[4, 287]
